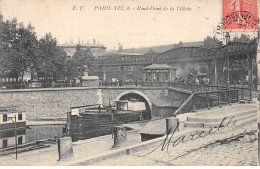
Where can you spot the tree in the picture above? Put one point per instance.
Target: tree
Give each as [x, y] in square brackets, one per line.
[180, 44]
[82, 57]
[7, 37]
[19, 44]
[52, 58]
[242, 38]
[2, 44]
[20, 50]
[195, 68]
[71, 70]
[210, 42]
[27, 47]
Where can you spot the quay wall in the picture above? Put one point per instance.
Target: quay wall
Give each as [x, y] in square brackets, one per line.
[54, 103]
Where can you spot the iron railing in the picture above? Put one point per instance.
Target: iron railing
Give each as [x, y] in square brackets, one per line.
[208, 99]
[244, 90]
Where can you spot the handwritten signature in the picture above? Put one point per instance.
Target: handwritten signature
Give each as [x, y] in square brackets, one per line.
[165, 144]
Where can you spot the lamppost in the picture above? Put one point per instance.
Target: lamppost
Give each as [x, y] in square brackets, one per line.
[252, 68]
[227, 36]
[14, 121]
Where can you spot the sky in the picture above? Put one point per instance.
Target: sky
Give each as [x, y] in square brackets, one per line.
[132, 28]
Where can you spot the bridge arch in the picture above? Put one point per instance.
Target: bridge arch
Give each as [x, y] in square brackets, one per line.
[126, 95]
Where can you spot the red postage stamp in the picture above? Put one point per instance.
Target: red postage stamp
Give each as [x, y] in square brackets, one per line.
[239, 14]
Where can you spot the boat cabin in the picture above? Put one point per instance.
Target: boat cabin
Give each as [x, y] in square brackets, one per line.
[11, 121]
[130, 105]
[7, 114]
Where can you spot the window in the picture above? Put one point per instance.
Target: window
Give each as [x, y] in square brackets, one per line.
[4, 143]
[4, 117]
[20, 116]
[166, 77]
[20, 140]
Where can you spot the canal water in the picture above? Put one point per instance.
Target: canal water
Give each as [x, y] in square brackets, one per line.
[31, 134]
[43, 132]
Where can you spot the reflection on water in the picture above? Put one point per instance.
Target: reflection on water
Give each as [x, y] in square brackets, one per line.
[7, 138]
[43, 132]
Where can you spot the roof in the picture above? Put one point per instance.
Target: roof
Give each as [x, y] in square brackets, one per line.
[108, 55]
[202, 74]
[83, 45]
[154, 127]
[151, 52]
[129, 54]
[128, 101]
[125, 101]
[8, 109]
[166, 101]
[158, 66]
[162, 48]
[90, 78]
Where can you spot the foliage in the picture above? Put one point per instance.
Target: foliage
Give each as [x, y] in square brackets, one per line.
[82, 57]
[242, 38]
[52, 58]
[196, 68]
[210, 42]
[19, 46]
[180, 44]
[20, 50]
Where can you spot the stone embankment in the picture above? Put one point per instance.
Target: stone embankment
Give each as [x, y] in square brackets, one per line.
[235, 143]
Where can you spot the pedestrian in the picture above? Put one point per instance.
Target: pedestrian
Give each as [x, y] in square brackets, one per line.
[99, 109]
[64, 130]
[197, 81]
[141, 117]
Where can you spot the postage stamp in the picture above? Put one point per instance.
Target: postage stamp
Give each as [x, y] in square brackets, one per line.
[239, 14]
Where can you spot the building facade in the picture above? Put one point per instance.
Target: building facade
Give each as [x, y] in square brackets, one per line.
[158, 73]
[96, 48]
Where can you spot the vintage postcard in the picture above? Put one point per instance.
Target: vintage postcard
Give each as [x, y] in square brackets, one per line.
[129, 83]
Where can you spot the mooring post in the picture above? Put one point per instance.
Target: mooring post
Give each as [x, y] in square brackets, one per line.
[228, 92]
[120, 136]
[194, 106]
[218, 97]
[208, 99]
[242, 92]
[171, 124]
[15, 137]
[65, 148]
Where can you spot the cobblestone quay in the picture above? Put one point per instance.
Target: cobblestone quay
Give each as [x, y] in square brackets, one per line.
[212, 151]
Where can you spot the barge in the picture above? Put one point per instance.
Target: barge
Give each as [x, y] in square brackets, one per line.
[94, 120]
[12, 127]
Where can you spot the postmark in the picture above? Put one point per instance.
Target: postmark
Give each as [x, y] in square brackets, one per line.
[239, 14]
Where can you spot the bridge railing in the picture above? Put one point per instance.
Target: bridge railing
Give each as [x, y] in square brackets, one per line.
[160, 84]
[194, 87]
[27, 85]
[244, 91]
[208, 99]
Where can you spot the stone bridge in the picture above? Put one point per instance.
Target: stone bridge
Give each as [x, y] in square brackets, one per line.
[55, 102]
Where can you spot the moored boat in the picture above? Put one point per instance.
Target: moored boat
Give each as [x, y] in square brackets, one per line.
[12, 125]
[92, 121]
